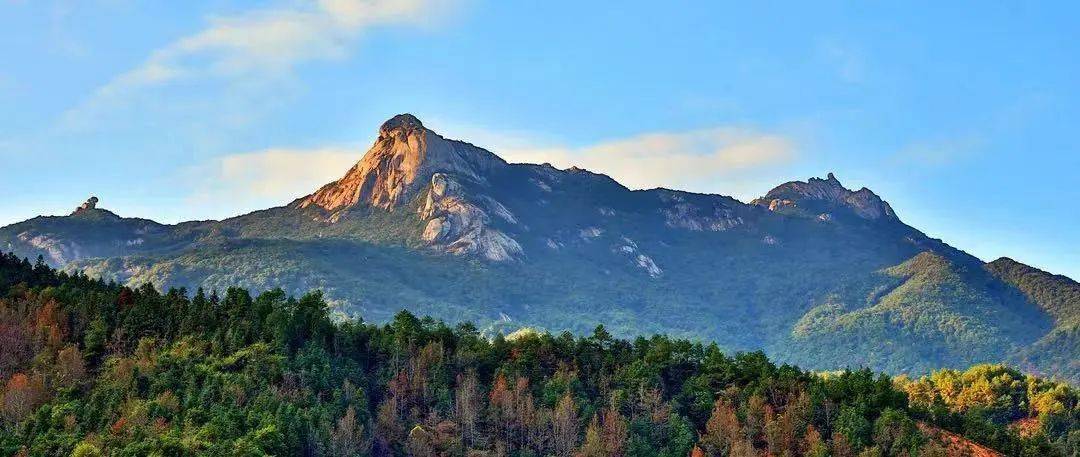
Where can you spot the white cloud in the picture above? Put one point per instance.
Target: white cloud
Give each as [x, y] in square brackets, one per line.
[257, 179]
[275, 176]
[250, 48]
[667, 159]
[273, 40]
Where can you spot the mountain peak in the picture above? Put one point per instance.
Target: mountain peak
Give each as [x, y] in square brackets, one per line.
[817, 195]
[89, 204]
[403, 122]
[401, 162]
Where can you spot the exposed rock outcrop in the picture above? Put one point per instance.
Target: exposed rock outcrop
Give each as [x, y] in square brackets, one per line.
[90, 203]
[398, 165]
[405, 159]
[700, 213]
[58, 251]
[630, 248]
[817, 195]
[458, 225]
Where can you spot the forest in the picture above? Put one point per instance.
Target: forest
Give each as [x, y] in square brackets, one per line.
[90, 368]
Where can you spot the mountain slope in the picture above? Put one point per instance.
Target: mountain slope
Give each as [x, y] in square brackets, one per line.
[1059, 350]
[813, 272]
[927, 310]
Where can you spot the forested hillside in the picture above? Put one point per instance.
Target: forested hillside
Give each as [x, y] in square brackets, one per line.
[93, 368]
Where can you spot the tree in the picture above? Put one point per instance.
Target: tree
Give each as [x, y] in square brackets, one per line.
[347, 438]
[467, 405]
[594, 441]
[756, 412]
[22, 395]
[85, 449]
[852, 424]
[841, 447]
[896, 434]
[501, 401]
[388, 425]
[15, 341]
[97, 335]
[722, 430]
[565, 426]
[614, 432]
[421, 442]
[70, 367]
[813, 445]
[605, 436]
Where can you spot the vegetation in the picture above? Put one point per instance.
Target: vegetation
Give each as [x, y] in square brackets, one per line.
[93, 368]
[928, 312]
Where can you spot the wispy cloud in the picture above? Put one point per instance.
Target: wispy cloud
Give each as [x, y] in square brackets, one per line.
[664, 159]
[845, 58]
[275, 176]
[270, 177]
[250, 48]
[939, 153]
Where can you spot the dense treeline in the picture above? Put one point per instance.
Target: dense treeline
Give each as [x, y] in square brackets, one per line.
[89, 368]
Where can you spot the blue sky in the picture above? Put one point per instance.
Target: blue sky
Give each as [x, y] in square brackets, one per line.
[963, 117]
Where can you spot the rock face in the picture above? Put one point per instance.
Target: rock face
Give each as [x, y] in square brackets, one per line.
[398, 165]
[818, 195]
[706, 213]
[57, 251]
[91, 203]
[459, 226]
[407, 158]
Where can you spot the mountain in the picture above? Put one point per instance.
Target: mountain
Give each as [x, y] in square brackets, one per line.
[812, 272]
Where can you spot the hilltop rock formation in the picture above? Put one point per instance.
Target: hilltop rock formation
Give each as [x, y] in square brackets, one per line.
[90, 203]
[818, 196]
[402, 160]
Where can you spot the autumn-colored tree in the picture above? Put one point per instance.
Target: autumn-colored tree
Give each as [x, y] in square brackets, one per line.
[841, 446]
[743, 448]
[22, 395]
[448, 439]
[594, 441]
[15, 341]
[564, 426]
[525, 421]
[406, 399]
[614, 431]
[813, 445]
[756, 412]
[70, 367]
[421, 442]
[780, 432]
[501, 401]
[652, 405]
[347, 437]
[389, 426]
[722, 430]
[467, 406]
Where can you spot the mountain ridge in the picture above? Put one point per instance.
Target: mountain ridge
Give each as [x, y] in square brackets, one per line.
[446, 228]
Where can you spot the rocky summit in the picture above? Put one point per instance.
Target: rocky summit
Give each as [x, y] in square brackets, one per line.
[812, 272]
